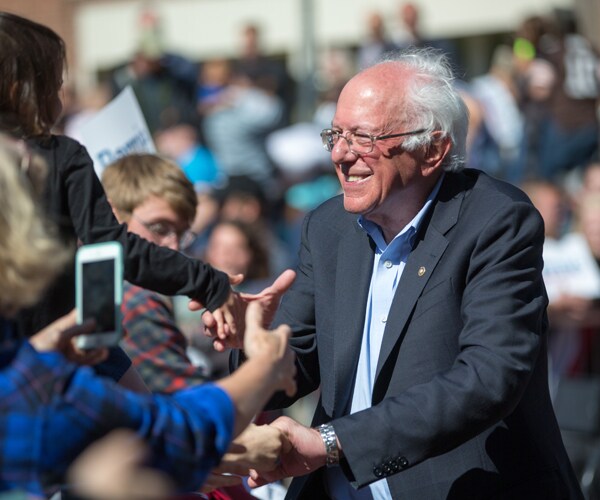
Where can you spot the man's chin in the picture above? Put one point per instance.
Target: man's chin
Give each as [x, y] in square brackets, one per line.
[352, 208]
[354, 205]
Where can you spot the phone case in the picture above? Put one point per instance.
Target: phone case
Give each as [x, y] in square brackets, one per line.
[98, 276]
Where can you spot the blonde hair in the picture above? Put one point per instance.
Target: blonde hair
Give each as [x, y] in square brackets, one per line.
[132, 179]
[31, 254]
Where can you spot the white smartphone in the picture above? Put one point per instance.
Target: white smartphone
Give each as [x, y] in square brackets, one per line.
[99, 292]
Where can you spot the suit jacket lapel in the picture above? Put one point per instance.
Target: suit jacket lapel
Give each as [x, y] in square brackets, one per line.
[353, 277]
[429, 247]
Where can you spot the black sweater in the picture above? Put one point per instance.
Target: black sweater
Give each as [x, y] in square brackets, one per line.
[75, 200]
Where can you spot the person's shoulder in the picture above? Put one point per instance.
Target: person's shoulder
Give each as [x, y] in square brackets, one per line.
[333, 205]
[332, 214]
[487, 189]
[71, 147]
[58, 149]
[486, 199]
[329, 222]
[55, 142]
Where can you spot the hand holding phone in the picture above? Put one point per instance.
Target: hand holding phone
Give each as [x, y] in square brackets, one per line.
[61, 336]
[99, 292]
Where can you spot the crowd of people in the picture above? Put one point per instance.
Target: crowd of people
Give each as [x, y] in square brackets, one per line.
[444, 233]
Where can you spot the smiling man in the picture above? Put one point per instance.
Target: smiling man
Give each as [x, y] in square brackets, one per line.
[419, 311]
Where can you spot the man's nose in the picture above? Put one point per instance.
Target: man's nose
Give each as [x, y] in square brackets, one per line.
[341, 150]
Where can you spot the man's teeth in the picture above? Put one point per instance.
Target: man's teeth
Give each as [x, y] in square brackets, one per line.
[354, 178]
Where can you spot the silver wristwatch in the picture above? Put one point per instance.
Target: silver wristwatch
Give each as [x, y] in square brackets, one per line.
[330, 441]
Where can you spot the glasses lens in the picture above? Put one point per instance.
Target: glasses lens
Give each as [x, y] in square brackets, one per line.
[361, 143]
[329, 138]
[161, 229]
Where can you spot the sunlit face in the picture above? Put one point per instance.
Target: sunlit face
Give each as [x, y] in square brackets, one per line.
[379, 184]
[155, 221]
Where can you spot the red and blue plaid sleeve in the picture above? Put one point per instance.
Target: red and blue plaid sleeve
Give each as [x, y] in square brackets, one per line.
[154, 342]
[50, 410]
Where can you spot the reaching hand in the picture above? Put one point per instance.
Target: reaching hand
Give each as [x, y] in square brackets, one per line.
[270, 297]
[303, 452]
[258, 447]
[235, 309]
[227, 319]
[270, 367]
[272, 346]
[59, 336]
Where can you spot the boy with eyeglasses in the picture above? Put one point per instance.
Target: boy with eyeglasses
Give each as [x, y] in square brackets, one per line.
[155, 199]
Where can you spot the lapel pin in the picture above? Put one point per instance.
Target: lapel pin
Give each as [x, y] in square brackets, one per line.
[421, 271]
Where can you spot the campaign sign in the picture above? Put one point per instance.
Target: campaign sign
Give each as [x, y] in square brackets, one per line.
[116, 130]
[570, 268]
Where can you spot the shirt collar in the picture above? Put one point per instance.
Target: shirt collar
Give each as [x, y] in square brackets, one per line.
[408, 231]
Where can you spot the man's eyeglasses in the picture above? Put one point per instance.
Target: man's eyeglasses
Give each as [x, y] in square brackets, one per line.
[358, 143]
[164, 230]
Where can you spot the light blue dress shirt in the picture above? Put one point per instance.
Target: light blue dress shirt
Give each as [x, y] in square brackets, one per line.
[388, 266]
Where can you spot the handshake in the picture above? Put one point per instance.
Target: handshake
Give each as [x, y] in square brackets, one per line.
[284, 448]
[268, 453]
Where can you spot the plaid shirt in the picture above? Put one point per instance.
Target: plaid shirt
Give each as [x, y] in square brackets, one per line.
[154, 342]
[51, 409]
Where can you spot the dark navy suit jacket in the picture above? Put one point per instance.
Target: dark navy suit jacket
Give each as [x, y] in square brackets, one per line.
[461, 408]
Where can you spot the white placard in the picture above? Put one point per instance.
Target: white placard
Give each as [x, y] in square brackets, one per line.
[116, 130]
[570, 268]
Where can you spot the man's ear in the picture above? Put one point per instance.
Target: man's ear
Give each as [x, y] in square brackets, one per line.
[435, 153]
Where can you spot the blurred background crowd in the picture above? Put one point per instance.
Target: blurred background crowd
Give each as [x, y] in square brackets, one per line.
[243, 124]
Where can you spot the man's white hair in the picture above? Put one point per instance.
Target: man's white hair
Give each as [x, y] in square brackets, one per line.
[432, 102]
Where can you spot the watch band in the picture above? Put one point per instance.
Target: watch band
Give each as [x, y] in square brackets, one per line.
[330, 441]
